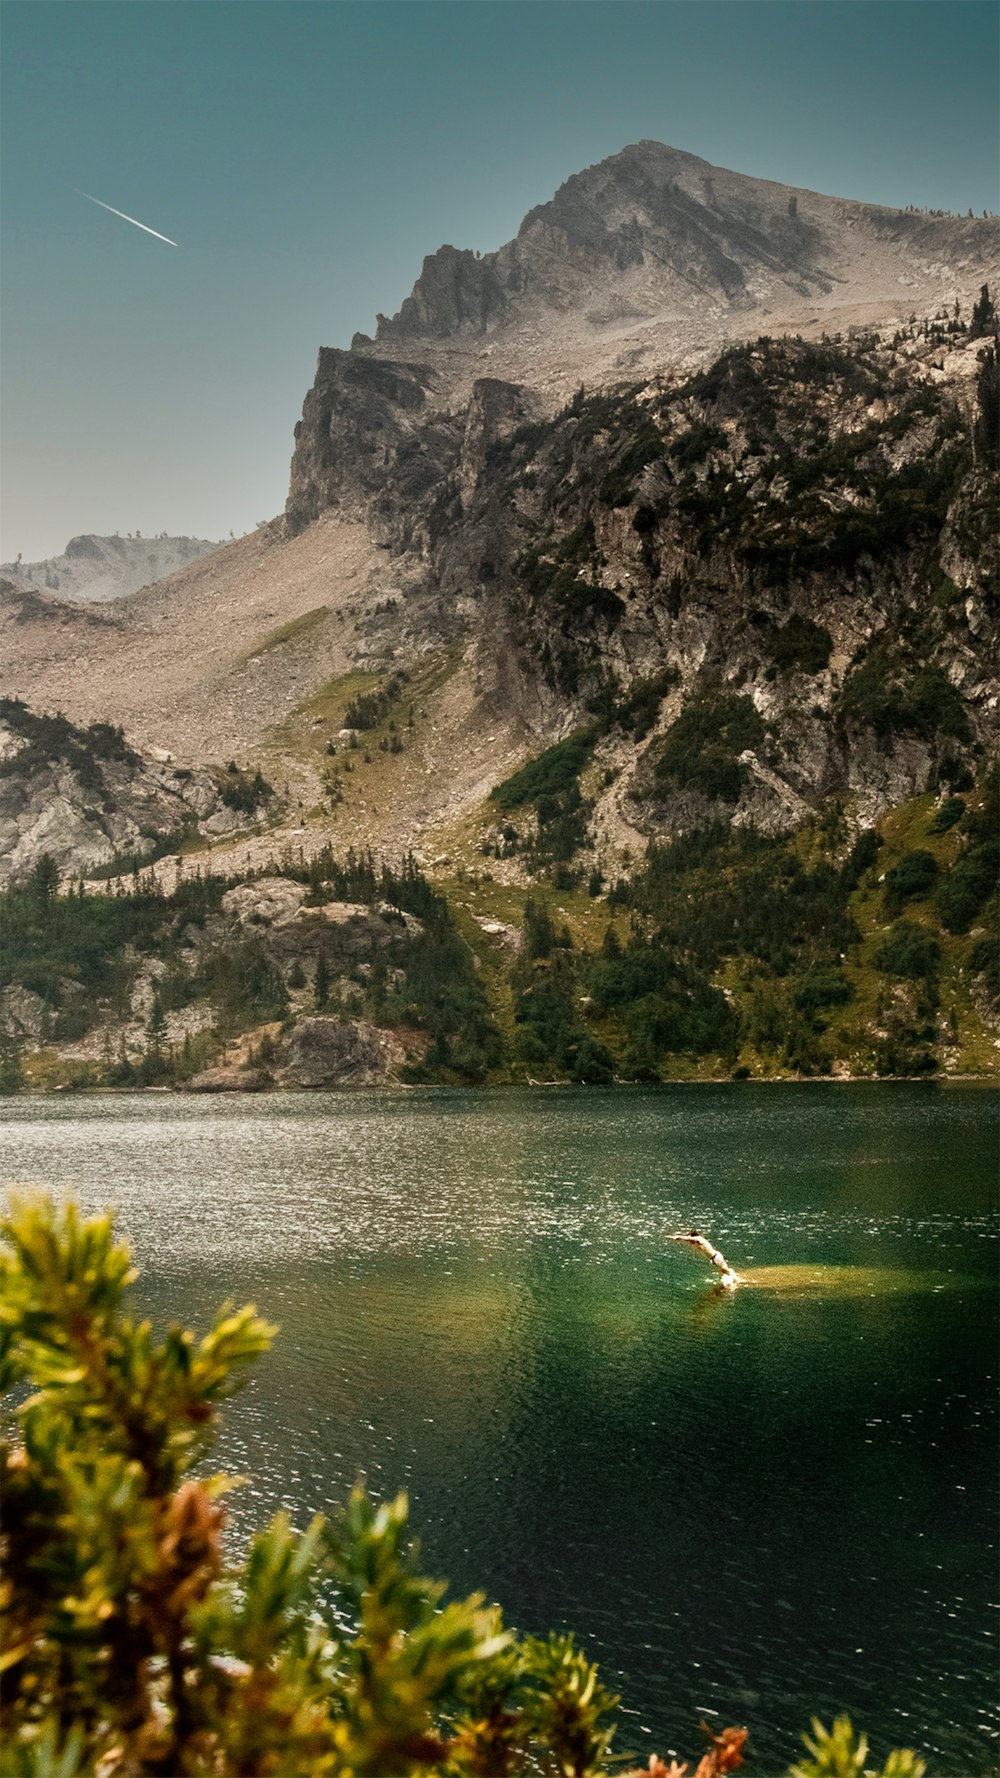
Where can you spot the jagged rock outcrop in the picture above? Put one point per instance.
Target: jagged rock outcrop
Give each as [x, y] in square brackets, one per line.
[102, 568]
[276, 911]
[457, 292]
[267, 902]
[350, 443]
[495, 412]
[22, 1014]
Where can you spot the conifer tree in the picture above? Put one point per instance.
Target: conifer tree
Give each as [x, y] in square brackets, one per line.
[984, 315]
[11, 1075]
[321, 984]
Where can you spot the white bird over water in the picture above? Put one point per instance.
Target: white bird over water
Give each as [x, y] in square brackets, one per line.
[121, 213]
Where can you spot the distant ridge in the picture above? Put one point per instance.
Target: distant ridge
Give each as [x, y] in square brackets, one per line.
[94, 569]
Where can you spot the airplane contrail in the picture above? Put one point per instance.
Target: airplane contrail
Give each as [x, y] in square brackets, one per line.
[121, 213]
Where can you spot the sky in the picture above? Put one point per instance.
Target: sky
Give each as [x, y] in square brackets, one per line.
[305, 155]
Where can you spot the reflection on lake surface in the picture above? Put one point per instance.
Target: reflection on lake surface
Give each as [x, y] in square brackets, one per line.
[752, 1505]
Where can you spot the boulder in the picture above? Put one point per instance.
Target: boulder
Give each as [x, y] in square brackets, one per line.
[332, 1052]
[338, 913]
[22, 1014]
[267, 901]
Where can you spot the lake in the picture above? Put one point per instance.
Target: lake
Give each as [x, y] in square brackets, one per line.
[751, 1507]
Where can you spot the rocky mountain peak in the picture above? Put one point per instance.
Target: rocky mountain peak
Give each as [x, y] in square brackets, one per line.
[654, 231]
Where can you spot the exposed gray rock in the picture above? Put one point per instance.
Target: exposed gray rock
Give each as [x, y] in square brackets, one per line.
[654, 232]
[273, 909]
[330, 1052]
[355, 424]
[457, 292]
[83, 805]
[495, 411]
[22, 1014]
[268, 901]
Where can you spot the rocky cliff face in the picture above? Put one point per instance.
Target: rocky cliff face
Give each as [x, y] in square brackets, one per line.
[100, 568]
[800, 533]
[351, 450]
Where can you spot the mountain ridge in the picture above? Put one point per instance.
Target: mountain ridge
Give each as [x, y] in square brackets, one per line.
[672, 227]
[96, 569]
[648, 263]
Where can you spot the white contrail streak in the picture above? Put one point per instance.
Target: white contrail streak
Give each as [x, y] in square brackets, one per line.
[121, 213]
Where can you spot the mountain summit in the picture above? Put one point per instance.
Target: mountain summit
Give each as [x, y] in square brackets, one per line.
[648, 264]
[654, 232]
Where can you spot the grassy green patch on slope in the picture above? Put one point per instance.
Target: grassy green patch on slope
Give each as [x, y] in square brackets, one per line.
[291, 631]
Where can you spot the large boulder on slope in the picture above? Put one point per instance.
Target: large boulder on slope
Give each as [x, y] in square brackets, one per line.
[333, 1052]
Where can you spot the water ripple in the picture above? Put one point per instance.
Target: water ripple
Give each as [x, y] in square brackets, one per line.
[750, 1507]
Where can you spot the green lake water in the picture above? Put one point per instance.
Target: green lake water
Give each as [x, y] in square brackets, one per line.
[751, 1507]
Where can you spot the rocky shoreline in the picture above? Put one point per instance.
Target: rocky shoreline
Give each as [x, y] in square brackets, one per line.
[230, 1081]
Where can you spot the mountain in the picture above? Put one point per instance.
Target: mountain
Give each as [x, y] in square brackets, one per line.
[646, 265]
[100, 568]
[640, 581]
[654, 233]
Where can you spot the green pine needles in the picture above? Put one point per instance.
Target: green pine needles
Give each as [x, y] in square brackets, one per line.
[132, 1648]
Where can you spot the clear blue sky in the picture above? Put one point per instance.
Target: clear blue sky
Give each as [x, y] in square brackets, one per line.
[306, 156]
